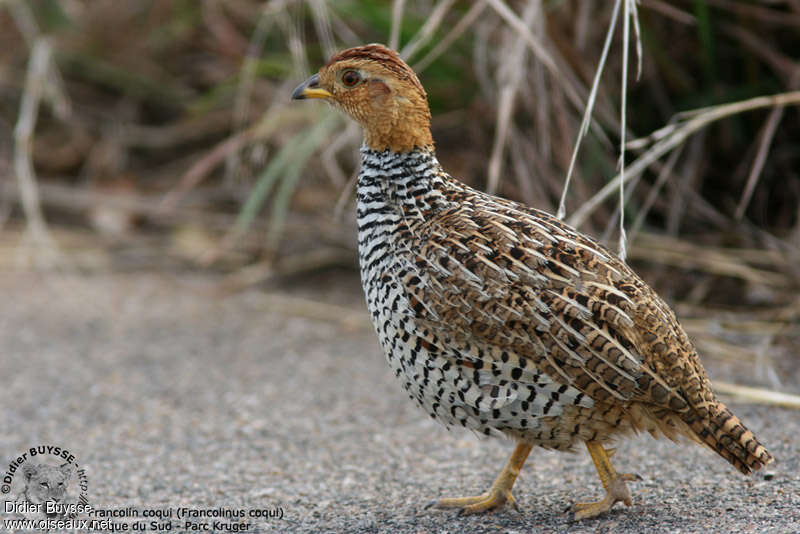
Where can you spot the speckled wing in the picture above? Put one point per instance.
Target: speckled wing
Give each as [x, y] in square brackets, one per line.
[505, 285]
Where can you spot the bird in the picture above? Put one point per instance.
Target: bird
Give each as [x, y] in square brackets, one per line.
[501, 318]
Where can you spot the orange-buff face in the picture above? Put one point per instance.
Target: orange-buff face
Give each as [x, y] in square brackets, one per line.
[380, 92]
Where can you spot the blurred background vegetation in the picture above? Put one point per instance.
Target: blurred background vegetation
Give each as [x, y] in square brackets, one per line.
[159, 134]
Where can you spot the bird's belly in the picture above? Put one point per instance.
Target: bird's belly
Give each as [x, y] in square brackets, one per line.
[460, 388]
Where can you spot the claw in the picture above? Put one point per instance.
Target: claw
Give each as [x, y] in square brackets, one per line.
[494, 499]
[614, 483]
[516, 506]
[617, 492]
[498, 495]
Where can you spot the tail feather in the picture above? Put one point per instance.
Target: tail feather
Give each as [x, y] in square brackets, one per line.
[724, 433]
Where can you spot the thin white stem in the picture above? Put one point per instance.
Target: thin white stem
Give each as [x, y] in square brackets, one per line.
[638, 32]
[398, 9]
[35, 82]
[587, 114]
[626, 29]
[54, 91]
[322, 23]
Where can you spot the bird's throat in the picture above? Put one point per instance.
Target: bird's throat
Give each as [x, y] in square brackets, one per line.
[397, 142]
[401, 130]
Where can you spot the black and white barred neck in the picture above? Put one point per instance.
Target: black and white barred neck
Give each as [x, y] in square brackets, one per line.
[395, 193]
[408, 180]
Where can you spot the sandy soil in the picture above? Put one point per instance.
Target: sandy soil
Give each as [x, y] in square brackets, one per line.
[170, 395]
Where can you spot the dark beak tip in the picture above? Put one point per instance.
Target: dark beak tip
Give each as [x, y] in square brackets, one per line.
[297, 94]
[299, 91]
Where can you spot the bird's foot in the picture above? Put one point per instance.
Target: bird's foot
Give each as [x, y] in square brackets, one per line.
[494, 499]
[616, 491]
[498, 495]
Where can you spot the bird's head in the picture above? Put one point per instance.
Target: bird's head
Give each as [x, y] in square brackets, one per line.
[380, 91]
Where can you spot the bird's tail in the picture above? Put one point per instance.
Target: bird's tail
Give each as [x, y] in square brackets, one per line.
[724, 433]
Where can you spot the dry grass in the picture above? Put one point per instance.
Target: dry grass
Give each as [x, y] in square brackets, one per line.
[150, 122]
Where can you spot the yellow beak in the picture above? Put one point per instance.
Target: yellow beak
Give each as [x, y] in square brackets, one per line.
[310, 89]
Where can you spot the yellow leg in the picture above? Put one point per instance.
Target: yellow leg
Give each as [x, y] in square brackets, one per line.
[614, 483]
[500, 492]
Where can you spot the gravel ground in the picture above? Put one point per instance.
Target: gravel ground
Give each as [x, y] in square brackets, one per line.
[171, 396]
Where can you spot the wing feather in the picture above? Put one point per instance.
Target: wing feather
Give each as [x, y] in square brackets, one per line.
[512, 280]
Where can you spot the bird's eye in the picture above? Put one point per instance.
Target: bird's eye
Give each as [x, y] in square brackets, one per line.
[350, 78]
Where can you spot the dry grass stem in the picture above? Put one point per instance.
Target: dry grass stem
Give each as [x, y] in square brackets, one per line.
[45, 251]
[509, 81]
[667, 138]
[345, 195]
[294, 265]
[343, 31]
[663, 175]
[761, 11]
[79, 200]
[244, 89]
[767, 134]
[350, 137]
[670, 11]
[587, 114]
[582, 24]
[714, 260]
[630, 9]
[629, 13]
[164, 137]
[538, 49]
[53, 90]
[398, 9]
[322, 24]
[461, 26]
[427, 30]
[758, 395]
[204, 166]
[684, 180]
[291, 305]
[294, 32]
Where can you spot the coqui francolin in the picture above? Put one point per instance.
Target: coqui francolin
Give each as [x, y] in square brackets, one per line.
[501, 318]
